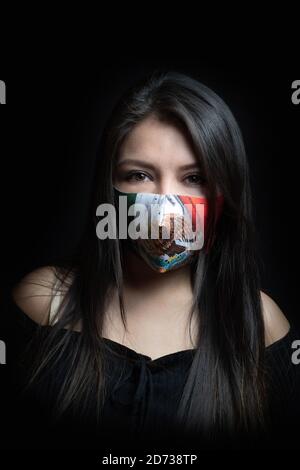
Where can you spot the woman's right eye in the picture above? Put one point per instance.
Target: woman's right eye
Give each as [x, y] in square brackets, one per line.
[136, 176]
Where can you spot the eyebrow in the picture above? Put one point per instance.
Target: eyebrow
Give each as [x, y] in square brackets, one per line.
[145, 164]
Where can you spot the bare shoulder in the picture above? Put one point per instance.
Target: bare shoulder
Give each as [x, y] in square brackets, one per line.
[276, 323]
[34, 292]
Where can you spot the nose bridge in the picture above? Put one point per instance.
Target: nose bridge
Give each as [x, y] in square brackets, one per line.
[167, 182]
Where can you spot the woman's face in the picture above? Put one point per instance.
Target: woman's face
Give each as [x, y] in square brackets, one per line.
[156, 157]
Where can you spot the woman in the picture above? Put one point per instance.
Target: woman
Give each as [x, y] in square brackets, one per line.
[139, 339]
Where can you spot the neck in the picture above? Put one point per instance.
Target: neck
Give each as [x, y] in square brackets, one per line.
[157, 305]
[142, 283]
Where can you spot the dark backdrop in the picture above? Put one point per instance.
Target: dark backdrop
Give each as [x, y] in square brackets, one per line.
[50, 129]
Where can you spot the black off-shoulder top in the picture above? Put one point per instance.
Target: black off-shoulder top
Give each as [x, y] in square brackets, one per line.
[142, 396]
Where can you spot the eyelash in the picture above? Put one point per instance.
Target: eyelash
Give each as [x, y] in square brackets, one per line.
[130, 176]
[133, 173]
[201, 178]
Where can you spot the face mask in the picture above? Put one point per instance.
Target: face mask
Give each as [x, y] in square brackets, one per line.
[174, 227]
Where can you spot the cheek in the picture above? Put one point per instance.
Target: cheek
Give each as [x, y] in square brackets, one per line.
[134, 187]
[195, 191]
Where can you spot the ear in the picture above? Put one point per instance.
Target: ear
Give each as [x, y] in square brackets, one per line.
[276, 323]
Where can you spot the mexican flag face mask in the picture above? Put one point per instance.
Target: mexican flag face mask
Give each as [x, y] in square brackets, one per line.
[166, 230]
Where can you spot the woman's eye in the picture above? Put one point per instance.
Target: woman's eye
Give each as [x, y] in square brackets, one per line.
[195, 179]
[136, 176]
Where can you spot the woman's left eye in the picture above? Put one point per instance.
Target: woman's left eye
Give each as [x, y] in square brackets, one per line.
[195, 179]
[137, 176]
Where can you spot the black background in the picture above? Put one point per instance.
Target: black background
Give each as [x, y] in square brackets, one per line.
[50, 129]
[51, 126]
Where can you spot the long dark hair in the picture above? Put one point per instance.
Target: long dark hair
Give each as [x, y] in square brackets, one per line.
[225, 389]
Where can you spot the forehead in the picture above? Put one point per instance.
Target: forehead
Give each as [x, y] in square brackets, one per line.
[158, 142]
